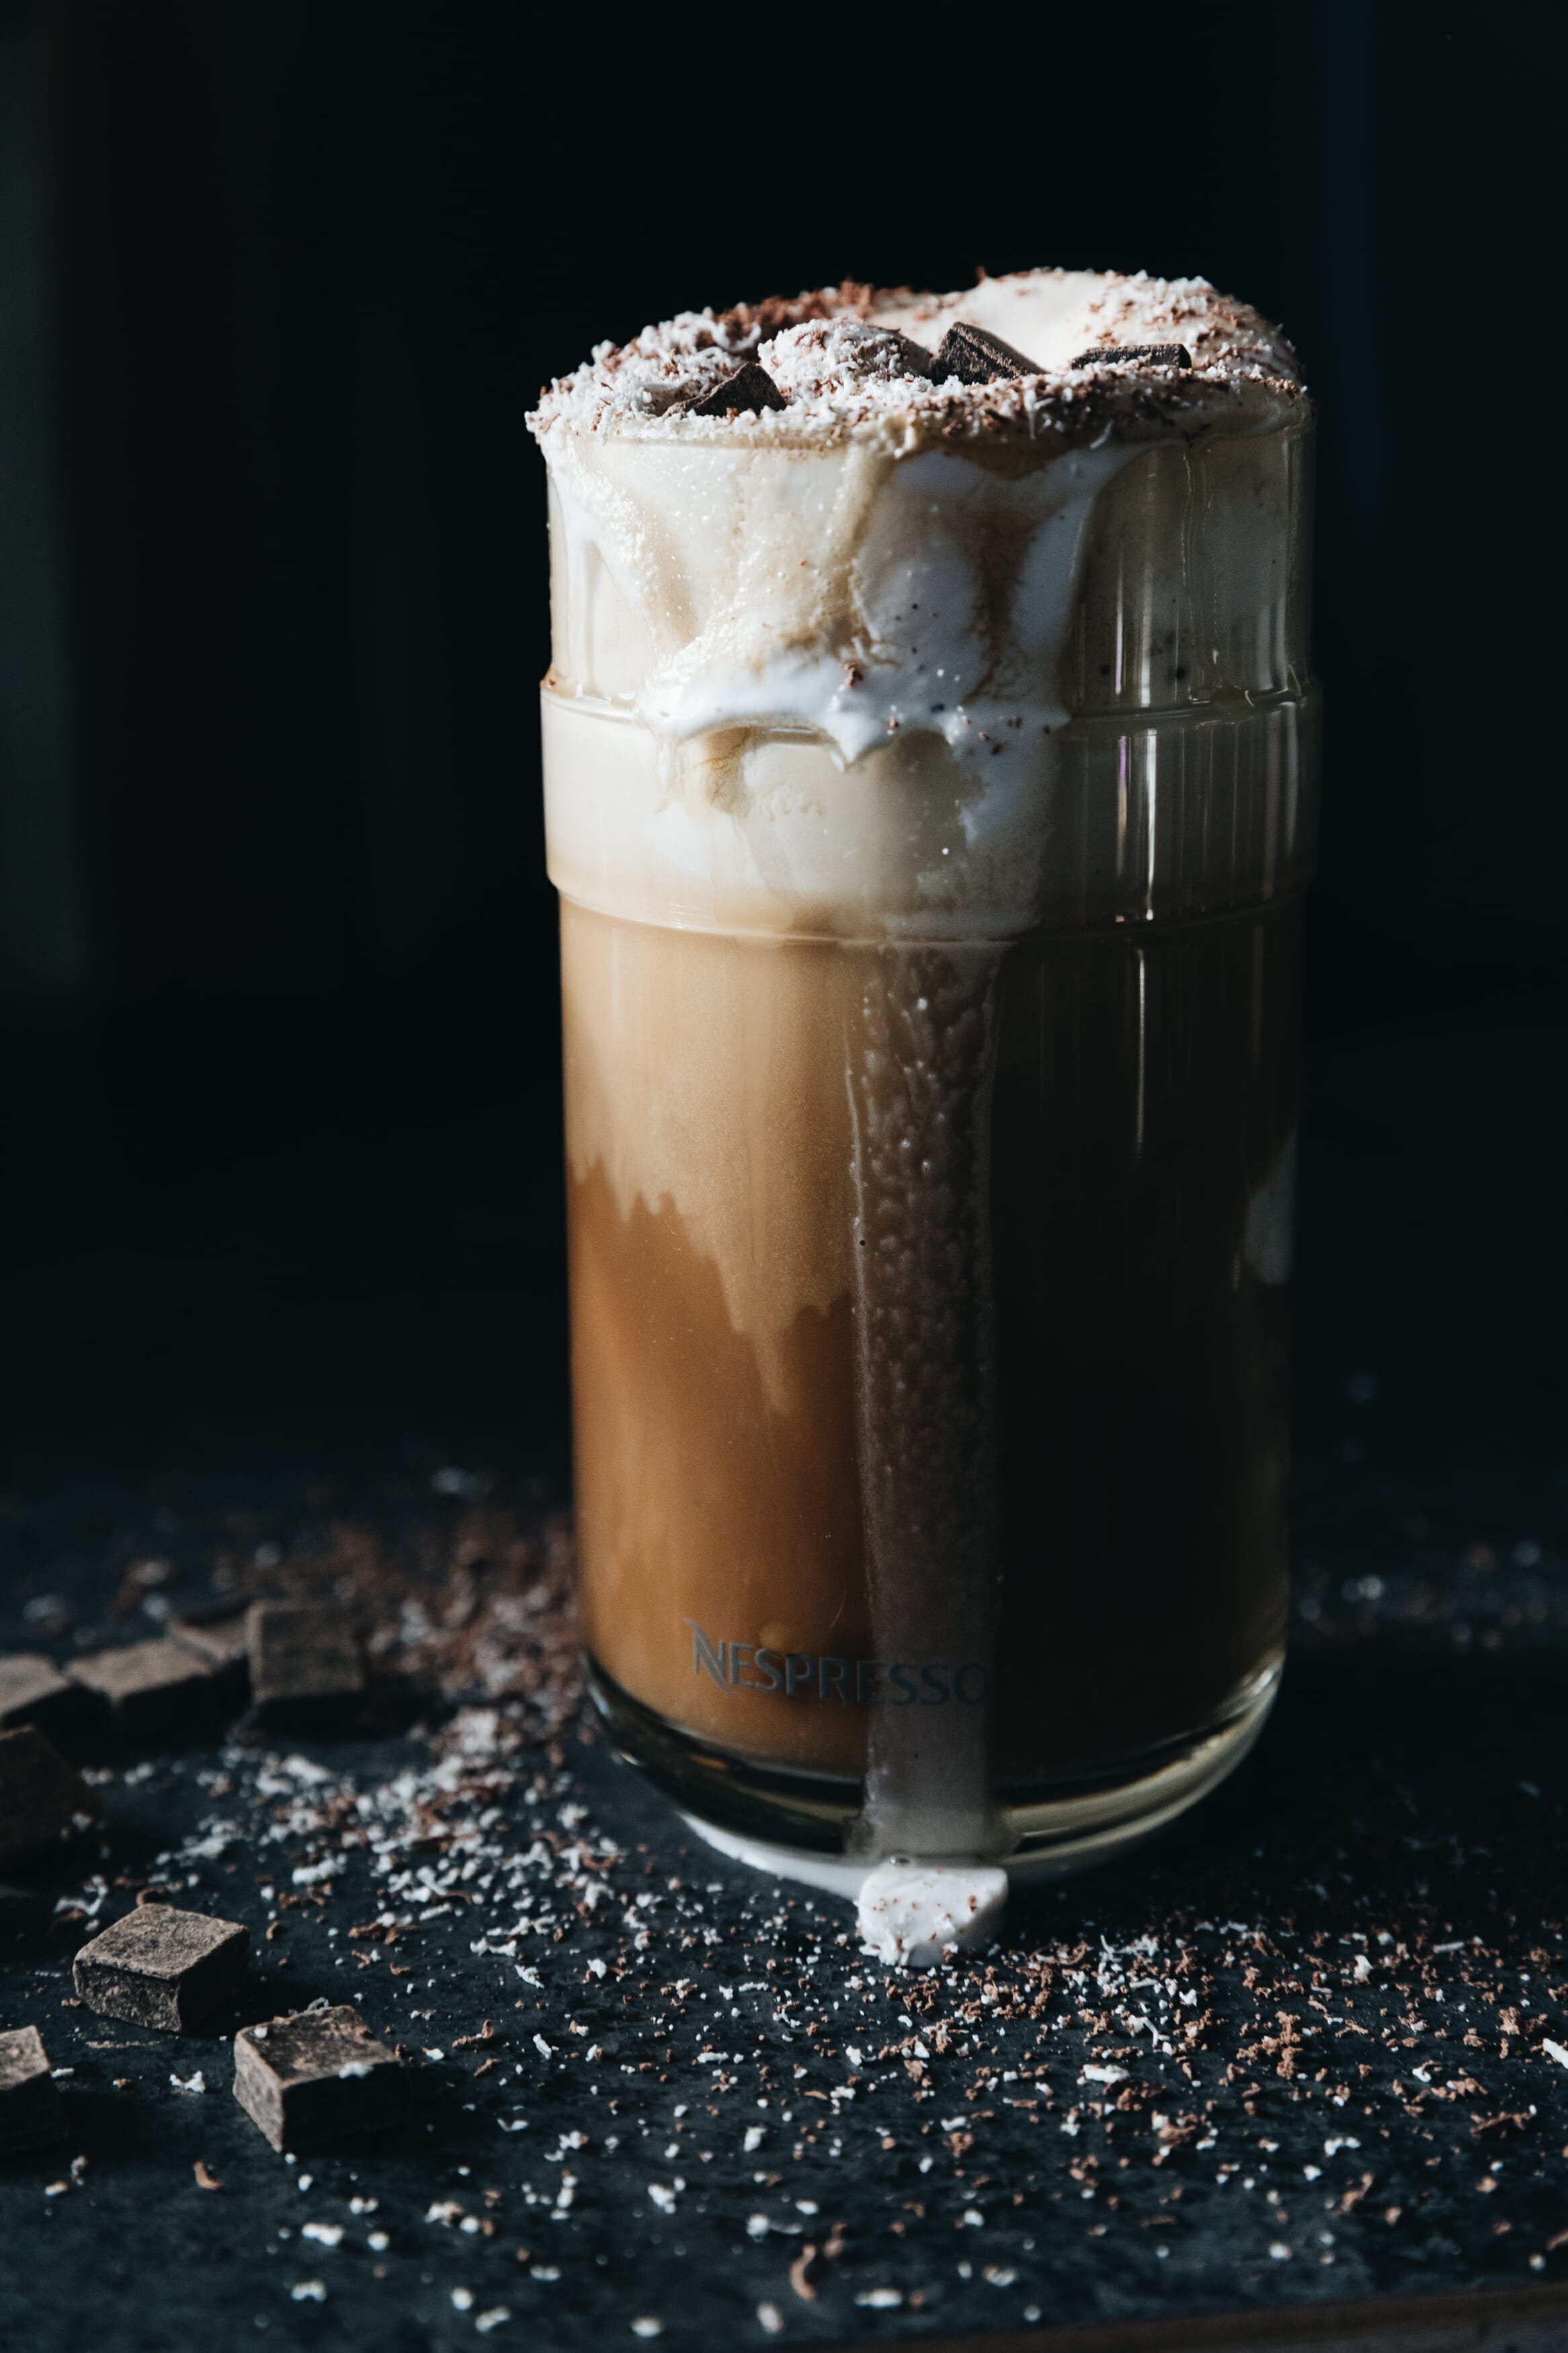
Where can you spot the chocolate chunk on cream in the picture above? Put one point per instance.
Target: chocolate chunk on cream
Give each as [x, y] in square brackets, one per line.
[1118, 354]
[750, 388]
[974, 355]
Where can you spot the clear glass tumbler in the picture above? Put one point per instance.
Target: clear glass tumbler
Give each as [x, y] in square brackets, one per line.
[930, 1239]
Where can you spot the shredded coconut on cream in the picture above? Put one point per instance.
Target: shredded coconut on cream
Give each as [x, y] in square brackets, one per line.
[836, 356]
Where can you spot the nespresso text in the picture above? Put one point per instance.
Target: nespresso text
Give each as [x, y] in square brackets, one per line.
[864, 1682]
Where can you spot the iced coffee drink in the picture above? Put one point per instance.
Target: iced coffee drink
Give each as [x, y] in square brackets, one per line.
[929, 789]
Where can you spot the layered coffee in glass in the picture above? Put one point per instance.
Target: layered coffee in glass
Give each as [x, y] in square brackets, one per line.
[930, 790]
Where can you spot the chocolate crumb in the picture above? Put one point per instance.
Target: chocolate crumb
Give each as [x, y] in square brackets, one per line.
[974, 355]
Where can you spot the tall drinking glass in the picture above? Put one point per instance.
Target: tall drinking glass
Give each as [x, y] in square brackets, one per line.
[930, 1048]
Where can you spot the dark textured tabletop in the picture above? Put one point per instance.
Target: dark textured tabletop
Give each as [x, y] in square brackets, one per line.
[1312, 2046]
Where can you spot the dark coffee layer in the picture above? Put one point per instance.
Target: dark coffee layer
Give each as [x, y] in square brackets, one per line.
[1137, 1097]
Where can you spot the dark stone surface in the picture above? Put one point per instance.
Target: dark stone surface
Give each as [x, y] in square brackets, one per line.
[1371, 1916]
[161, 1966]
[1392, 1853]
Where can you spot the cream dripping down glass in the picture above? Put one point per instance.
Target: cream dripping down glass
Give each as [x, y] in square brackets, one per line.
[929, 782]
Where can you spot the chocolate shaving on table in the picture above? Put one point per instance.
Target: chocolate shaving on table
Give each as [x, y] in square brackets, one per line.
[1156, 354]
[749, 387]
[974, 355]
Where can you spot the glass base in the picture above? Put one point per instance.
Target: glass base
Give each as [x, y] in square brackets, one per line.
[797, 1823]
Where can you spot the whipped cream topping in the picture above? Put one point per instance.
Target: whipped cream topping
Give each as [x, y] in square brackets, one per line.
[842, 359]
[848, 638]
[825, 356]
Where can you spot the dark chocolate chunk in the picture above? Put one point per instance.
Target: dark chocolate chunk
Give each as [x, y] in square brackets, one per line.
[749, 387]
[162, 1967]
[316, 2077]
[974, 355]
[148, 1686]
[219, 1636]
[1157, 355]
[30, 2111]
[913, 358]
[40, 1794]
[34, 1691]
[302, 1650]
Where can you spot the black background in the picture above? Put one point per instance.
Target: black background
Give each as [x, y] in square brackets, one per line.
[278, 276]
